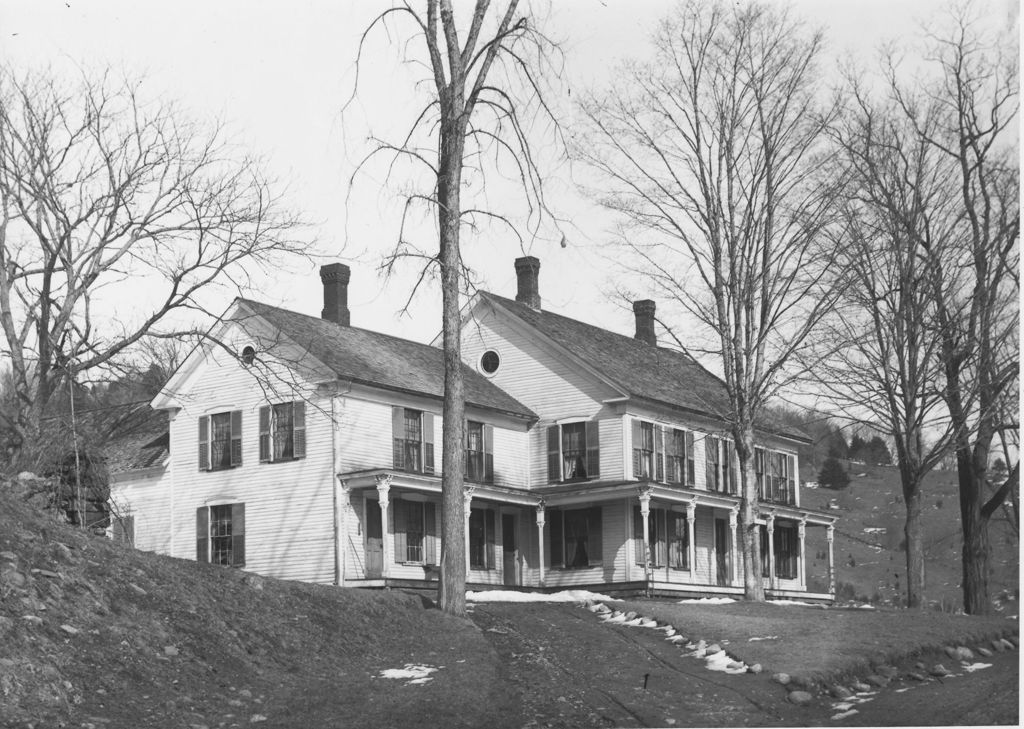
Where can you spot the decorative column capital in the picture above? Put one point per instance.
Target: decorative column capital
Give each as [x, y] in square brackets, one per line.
[644, 494]
[734, 516]
[691, 509]
[343, 484]
[541, 507]
[467, 494]
[383, 485]
[802, 528]
[830, 533]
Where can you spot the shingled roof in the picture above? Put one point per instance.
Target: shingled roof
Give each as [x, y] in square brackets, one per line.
[380, 360]
[643, 371]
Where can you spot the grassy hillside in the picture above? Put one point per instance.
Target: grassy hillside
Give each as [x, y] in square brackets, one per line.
[93, 633]
[870, 561]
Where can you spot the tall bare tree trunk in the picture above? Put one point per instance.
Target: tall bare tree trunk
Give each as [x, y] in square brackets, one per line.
[753, 581]
[914, 539]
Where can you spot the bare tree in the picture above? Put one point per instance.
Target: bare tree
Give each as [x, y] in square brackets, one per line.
[712, 153]
[885, 363]
[966, 114]
[103, 195]
[485, 90]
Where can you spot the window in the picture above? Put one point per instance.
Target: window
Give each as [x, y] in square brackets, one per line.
[220, 534]
[481, 539]
[220, 441]
[415, 531]
[668, 535]
[575, 537]
[489, 362]
[479, 452]
[785, 545]
[647, 451]
[573, 452]
[283, 432]
[413, 433]
[718, 456]
[776, 476]
[679, 457]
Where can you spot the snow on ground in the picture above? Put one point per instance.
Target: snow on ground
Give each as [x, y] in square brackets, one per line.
[977, 667]
[514, 596]
[416, 673]
[722, 662]
[709, 601]
[791, 602]
[767, 637]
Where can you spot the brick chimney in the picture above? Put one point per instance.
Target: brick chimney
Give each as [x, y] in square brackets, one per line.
[644, 311]
[335, 278]
[527, 270]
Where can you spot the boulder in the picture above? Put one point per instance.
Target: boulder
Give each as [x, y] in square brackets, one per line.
[800, 698]
[998, 645]
[756, 668]
[875, 680]
[8, 556]
[1007, 644]
[951, 652]
[860, 686]
[964, 654]
[631, 615]
[781, 678]
[170, 650]
[69, 629]
[916, 676]
[938, 670]
[1015, 640]
[983, 651]
[839, 692]
[713, 649]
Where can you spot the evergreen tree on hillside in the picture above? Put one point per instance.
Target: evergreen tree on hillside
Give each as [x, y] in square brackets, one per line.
[858, 449]
[877, 452]
[836, 445]
[833, 475]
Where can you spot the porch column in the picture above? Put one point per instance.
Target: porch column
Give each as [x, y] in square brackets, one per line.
[342, 506]
[771, 551]
[734, 514]
[691, 546]
[645, 510]
[540, 541]
[830, 536]
[467, 499]
[802, 535]
[388, 546]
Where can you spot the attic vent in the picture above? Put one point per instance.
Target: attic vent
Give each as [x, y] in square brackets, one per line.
[489, 362]
[248, 356]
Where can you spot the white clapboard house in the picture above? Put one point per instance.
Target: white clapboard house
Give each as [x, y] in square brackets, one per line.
[307, 448]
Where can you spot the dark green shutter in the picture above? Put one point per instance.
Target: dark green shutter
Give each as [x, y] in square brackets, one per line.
[265, 452]
[399, 517]
[593, 449]
[594, 544]
[691, 475]
[202, 534]
[204, 442]
[429, 534]
[238, 535]
[398, 436]
[659, 453]
[555, 545]
[660, 547]
[428, 442]
[554, 453]
[489, 539]
[637, 435]
[236, 437]
[299, 430]
[710, 458]
[488, 453]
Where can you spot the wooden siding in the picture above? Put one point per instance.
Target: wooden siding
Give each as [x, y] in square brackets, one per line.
[289, 526]
[147, 498]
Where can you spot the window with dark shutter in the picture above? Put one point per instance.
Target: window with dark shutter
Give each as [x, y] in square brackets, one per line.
[428, 443]
[204, 443]
[430, 540]
[678, 541]
[265, 434]
[593, 437]
[691, 463]
[203, 534]
[554, 453]
[298, 430]
[238, 535]
[712, 457]
[659, 453]
[398, 516]
[236, 438]
[481, 539]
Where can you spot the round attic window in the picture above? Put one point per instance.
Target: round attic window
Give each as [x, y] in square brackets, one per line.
[248, 356]
[489, 362]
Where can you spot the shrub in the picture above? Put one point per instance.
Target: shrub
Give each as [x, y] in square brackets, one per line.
[833, 475]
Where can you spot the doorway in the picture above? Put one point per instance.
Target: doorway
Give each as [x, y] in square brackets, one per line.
[509, 550]
[374, 541]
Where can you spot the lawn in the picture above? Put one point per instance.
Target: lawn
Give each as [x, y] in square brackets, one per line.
[817, 642]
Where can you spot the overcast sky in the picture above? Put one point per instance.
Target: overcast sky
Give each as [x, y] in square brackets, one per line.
[279, 72]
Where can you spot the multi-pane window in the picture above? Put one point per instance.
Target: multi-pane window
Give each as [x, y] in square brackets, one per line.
[573, 452]
[415, 532]
[481, 539]
[718, 454]
[220, 534]
[645, 450]
[679, 457]
[776, 476]
[413, 435]
[575, 537]
[786, 547]
[479, 452]
[283, 431]
[220, 441]
[668, 538]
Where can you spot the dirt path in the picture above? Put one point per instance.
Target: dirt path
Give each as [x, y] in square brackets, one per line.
[567, 669]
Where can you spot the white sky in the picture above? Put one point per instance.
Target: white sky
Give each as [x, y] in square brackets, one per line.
[279, 73]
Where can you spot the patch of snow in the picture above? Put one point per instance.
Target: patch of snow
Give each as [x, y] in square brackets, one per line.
[416, 673]
[842, 706]
[791, 602]
[767, 637]
[977, 667]
[720, 662]
[516, 596]
[709, 601]
[874, 530]
[865, 606]
[845, 714]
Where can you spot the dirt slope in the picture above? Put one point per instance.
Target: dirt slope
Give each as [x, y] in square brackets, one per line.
[96, 634]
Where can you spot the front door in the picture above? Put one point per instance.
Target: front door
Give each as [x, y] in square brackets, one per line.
[374, 541]
[721, 552]
[510, 551]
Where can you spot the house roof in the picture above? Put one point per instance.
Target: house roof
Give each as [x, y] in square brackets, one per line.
[643, 371]
[380, 360]
[130, 436]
